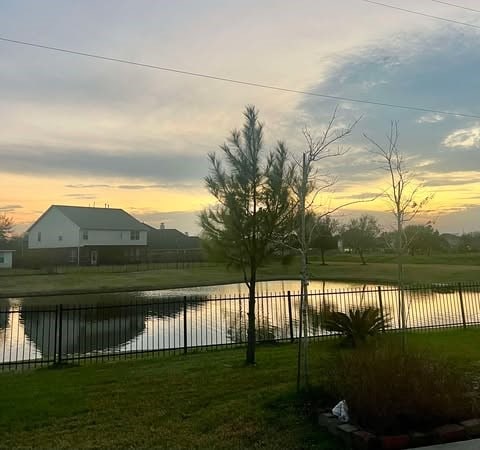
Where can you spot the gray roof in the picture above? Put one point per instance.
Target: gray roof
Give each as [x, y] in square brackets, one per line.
[99, 218]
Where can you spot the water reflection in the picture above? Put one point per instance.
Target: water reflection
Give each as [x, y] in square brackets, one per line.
[96, 328]
[156, 321]
[83, 332]
[4, 316]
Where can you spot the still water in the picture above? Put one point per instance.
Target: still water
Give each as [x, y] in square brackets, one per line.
[111, 324]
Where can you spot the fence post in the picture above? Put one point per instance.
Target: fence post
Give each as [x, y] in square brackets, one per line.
[289, 297]
[55, 337]
[185, 324]
[59, 345]
[380, 303]
[462, 307]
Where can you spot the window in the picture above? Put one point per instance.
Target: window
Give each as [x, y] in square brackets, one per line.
[2, 259]
[85, 235]
[39, 236]
[134, 235]
[73, 255]
[60, 238]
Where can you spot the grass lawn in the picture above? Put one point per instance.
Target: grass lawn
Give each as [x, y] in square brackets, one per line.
[202, 400]
[464, 259]
[102, 281]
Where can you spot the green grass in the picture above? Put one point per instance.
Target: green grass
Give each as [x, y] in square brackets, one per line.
[464, 259]
[202, 400]
[99, 281]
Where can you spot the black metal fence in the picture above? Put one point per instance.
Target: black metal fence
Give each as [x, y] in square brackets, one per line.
[40, 335]
[179, 264]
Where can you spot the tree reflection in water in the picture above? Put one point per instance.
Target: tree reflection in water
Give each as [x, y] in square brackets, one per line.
[4, 314]
[103, 328]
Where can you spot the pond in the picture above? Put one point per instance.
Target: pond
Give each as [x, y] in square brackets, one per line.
[234, 289]
[104, 325]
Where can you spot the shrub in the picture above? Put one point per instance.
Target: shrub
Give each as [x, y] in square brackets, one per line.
[356, 325]
[389, 391]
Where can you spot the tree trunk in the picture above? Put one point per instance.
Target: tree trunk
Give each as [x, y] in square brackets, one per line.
[322, 252]
[401, 291]
[251, 336]
[302, 369]
[360, 252]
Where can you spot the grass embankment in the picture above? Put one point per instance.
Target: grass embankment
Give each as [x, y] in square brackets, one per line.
[464, 259]
[96, 280]
[203, 400]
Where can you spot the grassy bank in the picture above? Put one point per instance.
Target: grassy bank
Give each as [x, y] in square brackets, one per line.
[463, 259]
[203, 400]
[103, 281]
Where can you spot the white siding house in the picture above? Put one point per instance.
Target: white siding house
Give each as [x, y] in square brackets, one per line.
[88, 235]
[53, 230]
[6, 259]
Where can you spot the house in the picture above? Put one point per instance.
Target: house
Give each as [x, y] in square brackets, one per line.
[453, 241]
[87, 236]
[169, 244]
[6, 259]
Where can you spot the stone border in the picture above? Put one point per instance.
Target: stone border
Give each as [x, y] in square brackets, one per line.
[356, 438]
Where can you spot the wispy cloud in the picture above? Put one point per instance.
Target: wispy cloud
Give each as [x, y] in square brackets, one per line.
[156, 186]
[8, 208]
[464, 138]
[431, 118]
[87, 186]
[360, 196]
[132, 187]
[81, 196]
[450, 181]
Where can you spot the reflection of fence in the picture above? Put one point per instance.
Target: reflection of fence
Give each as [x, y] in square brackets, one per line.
[42, 335]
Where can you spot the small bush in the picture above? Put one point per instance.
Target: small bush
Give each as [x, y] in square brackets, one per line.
[356, 325]
[389, 391]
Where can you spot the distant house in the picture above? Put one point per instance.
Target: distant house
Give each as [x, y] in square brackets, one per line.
[6, 259]
[169, 244]
[453, 241]
[87, 236]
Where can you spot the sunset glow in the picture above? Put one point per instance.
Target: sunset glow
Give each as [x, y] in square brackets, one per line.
[82, 131]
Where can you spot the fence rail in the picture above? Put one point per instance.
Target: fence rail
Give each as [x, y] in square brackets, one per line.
[40, 335]
[44, 269]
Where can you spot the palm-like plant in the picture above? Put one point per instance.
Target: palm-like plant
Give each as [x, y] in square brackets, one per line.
[357, 324]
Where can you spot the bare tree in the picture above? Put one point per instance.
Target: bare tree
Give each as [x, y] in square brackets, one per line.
[309, 183]
[6, 228]
[406, 198]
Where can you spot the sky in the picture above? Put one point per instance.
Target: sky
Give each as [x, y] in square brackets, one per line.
[83, 131]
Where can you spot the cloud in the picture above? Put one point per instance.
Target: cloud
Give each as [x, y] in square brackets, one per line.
[81, 196]
[87, 186]
[361, 196]
[464, 138]
[406, 70]
[460, 220]
[165, 167]
[8, 208]
[132, 187]
[181, 220]
[156, 186]
[450, 181]
[431, 118]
